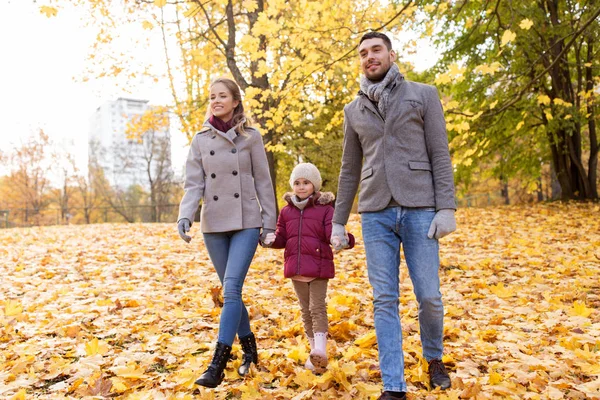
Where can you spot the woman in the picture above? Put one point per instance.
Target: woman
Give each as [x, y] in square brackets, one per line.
[227, 169]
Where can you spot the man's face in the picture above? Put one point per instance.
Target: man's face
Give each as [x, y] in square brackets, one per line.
[375, 58]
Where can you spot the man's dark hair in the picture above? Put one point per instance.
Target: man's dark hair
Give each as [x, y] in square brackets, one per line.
[377, 35]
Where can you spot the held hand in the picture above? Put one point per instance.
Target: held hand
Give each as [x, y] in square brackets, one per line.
[184, 226]
[443, 224]
[269, 239]
[339, 237]
[265, 235]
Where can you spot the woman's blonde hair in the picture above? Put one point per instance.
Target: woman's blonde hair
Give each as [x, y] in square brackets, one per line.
[240, 121]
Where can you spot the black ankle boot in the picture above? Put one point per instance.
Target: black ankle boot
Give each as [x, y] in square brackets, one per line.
[214, 375]
[250, 353]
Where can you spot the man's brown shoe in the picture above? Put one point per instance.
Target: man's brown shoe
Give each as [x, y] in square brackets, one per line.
[388, 396]
[438, 376]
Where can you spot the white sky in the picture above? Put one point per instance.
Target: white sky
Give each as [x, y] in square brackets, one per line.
[43, 60]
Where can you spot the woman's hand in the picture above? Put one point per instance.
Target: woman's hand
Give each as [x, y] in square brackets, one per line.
[184, 226]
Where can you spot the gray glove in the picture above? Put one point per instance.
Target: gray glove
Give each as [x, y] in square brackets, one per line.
[263, 236]
[184, 226]
[339, 237]
[443, 224]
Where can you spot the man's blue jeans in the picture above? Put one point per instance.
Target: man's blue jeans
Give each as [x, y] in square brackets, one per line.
[383, 232]
[231, 254]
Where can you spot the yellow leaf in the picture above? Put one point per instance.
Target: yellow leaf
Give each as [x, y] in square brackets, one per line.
[250, 5]
[118, 384]
[298, 353]
[549, 116]
[147, 25]
[543, 99]
[160, 3]
[501, 291]
[12, 308]
[507, 36]
[520, 125]
[526, 24]
[20, 395]
[492, 105]
[443, 79]
[48, 11]
[368, 340]
[95, 346]
[580, 309]
[130, 371]
[494, 378]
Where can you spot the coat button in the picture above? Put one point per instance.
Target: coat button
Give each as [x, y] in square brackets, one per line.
[215, 198]
[234, 151]
[236, 195]
[212, 152]
[234, 173]
[213, 176]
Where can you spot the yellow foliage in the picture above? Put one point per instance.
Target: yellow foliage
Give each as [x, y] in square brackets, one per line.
[507, 37]
[526, 24]
[518, 284]
[49, 11]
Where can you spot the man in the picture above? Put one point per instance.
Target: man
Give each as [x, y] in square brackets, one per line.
[406, 196]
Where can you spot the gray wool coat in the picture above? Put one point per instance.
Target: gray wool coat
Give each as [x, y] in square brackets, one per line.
[230, 174]
[404, 157]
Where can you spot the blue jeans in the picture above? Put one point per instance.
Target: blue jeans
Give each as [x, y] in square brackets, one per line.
[383, 232]
[231, 254]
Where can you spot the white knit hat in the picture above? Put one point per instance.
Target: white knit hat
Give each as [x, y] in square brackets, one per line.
[309, 172]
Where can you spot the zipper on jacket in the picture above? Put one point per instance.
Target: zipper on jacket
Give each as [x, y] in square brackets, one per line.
[299, 242]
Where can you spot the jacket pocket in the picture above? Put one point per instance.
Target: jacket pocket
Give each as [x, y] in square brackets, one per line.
[420, 165]
[366, 173]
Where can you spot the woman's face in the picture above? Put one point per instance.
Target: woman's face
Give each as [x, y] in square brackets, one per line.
[222, 103]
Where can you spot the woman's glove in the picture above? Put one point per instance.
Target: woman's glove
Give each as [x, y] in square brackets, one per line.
[184, 226]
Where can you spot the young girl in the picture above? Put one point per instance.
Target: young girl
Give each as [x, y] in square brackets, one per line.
[304, 230]
[227, 169]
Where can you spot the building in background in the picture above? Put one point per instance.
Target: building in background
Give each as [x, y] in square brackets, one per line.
[125, 161]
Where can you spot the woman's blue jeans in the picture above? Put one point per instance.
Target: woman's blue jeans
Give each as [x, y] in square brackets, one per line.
[231, 254]
[383, 232]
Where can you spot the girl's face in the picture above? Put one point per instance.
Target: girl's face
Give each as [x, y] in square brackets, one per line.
[222, 103]
[303, 188]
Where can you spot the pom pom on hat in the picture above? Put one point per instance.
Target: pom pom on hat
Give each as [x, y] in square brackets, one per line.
[309, 172]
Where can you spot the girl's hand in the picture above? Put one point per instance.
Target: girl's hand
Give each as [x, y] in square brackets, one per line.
[269, 239]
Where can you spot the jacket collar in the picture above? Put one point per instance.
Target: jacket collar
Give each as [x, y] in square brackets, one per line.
[365, 102]
[322, 198]
[229, 135]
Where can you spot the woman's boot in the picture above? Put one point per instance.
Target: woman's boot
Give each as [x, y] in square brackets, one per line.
[250, 354]
[213, 376]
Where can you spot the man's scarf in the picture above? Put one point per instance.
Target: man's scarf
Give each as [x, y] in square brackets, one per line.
[379, 92]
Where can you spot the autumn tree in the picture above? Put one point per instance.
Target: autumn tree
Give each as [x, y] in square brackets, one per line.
[28, 176]
[521, 83]
[151, 130]
[290, 58]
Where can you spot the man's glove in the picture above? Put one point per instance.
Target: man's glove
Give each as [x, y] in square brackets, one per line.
[183, 226]
[339, 237]
[443, 224]
[267, 237]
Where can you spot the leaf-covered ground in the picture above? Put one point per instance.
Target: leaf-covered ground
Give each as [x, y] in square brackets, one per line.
[129, 311]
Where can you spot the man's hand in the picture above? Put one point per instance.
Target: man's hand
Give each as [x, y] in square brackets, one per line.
[183, 226]
[339, 237]
[443, 224]
[267, 237]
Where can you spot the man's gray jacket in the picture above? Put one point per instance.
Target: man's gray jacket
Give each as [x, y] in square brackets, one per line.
[405, 157]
